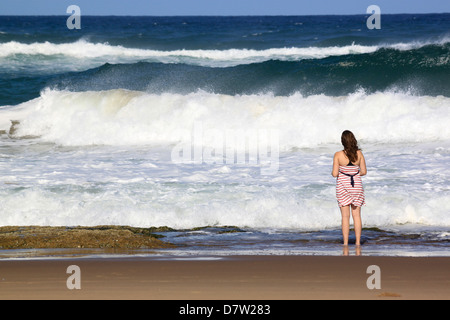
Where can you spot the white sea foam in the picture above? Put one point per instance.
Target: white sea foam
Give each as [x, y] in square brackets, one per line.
[104, 158]
[122, 117]
[297, 199]
[90, 54]
[83, 49]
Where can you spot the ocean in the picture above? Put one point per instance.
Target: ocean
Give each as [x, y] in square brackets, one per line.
[224, 129]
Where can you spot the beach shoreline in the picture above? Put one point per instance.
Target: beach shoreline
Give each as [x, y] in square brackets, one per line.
[228, 277]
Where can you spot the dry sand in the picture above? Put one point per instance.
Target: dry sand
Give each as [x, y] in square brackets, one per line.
[232, 277]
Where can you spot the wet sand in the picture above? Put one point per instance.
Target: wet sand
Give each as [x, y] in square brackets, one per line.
[225, 278]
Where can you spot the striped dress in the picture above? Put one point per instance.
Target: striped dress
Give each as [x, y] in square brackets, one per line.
[349, 188]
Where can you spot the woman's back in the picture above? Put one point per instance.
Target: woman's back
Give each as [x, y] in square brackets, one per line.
[341, 160]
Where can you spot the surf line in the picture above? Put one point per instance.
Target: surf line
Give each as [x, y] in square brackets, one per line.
[239, 146]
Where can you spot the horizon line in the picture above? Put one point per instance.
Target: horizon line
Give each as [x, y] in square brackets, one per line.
[219, 15]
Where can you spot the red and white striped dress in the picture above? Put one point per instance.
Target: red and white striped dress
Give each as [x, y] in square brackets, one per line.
[347, 194]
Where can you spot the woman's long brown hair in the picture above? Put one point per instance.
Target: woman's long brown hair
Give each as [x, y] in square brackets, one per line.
[350, 145]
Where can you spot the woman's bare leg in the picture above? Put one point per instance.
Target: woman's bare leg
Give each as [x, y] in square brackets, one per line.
[345, 212]
[356, 214]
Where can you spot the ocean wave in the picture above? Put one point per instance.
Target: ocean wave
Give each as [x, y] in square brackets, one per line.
[423, 71]
[416, 67]
[124, 117]
[82, 50]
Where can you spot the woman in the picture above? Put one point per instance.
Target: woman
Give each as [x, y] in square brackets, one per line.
[348, 166]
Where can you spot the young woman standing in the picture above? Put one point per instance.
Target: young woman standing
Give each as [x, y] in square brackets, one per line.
[348, 166]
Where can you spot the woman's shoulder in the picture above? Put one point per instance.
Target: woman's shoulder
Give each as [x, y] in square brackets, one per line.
[339, 155]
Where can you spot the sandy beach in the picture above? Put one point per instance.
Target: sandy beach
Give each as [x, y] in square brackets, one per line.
[228, 277]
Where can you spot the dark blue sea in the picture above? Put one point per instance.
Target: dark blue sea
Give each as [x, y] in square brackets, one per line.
[224, 128]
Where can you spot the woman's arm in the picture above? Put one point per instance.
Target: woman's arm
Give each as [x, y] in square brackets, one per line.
[362, 165]
[335, 171]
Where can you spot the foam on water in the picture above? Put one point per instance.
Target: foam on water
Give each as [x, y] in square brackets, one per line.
[86, 54]
[83, 49]
[140, 186]
[105, 158]
[122, 117]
